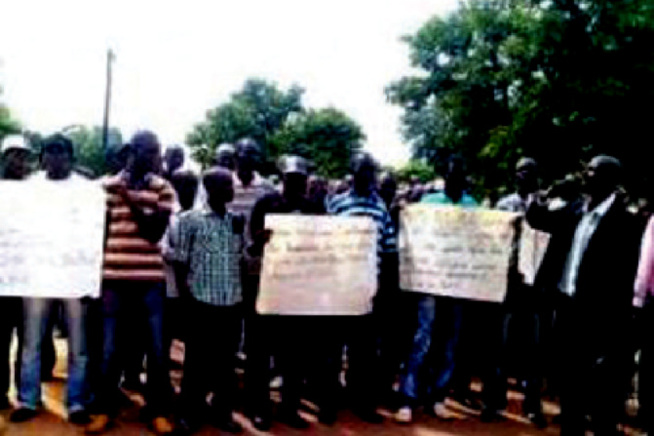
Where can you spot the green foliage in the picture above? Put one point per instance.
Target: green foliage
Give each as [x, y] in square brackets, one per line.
[89, 152]
[559, 80]
[257, 111]
[8, 125]
[328, 137]
[416, 168]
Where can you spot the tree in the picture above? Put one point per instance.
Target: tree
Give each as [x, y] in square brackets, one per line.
[257, 111]
[327, 137]
[8, 125]
[416, 168]
[89, 151]
[558, 80]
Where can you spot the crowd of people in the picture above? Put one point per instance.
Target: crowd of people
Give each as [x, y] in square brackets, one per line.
[182, 261]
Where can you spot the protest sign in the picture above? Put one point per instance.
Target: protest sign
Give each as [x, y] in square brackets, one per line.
[533, 245]
[318, 265]
[51, 238]
[455, 252]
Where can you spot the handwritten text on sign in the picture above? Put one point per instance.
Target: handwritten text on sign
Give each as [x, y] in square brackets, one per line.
[318, 265]
[455, 252]
[51, 239]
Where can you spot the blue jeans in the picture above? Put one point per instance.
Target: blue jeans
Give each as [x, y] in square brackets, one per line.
[432, 358]
[121, 299]
[36, 312]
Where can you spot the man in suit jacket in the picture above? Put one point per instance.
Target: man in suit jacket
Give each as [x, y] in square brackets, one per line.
[591, 262]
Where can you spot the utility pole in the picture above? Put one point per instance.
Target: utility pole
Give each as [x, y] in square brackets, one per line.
[107, 101]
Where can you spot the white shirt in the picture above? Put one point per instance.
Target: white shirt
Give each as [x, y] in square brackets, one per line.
[585, 230]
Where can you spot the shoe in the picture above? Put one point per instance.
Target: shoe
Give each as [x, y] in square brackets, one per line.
[23, 414]
[99, 424]
[294, 420]
[79, 417]
[442, 412]
[260, 422]
[491, 415]
[327, 417]
[538, 419]
[228, 425]
[4, 403]
[404, 415]
[162, 426]
[369, 415]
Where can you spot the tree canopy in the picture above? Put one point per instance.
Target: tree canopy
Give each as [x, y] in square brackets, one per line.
[558, 80]
[8, 124]
[279, 122]
[257, 111]
[89, 151]
[327, 137]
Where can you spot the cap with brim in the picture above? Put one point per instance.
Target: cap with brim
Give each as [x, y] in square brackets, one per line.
[295, 165]
[14, 142]
[225, 149]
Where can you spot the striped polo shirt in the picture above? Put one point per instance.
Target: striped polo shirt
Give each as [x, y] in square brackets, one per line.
[351, 204]
[128, 256]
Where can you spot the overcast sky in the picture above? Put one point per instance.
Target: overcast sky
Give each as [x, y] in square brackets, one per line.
[175, 60]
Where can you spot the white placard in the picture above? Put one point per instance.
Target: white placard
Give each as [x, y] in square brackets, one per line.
[318, 265]
[51, 238]
[533, 245]
[455, 252]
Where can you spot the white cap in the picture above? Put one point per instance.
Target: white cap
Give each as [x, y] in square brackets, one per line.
[14, 142]
[294, 164]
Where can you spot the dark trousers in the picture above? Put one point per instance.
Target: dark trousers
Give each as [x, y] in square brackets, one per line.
[11, 317]
[287, 340]
[523, 347]
[147, 301]
[209, 365]
[395, 321]
[357, 335]
[593, 379]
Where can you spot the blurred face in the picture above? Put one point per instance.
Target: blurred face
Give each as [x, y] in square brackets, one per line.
[526, 178]
[220, 190]
[186, 190]
[226, 160]
[247, 159]
[295, 185]
[174, 159]
[57, 162]
[387, 190]
[599, 178]
[365, 177]
[147, 157]
[17, 164]
[455, 181]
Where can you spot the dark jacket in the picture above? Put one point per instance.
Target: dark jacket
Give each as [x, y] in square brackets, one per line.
[605, 281]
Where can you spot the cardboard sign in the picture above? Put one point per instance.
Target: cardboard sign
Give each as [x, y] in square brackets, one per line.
[455, 252]
[318, 265]
[51, 238]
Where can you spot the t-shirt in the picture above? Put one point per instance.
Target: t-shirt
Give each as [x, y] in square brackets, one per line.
[129, 256]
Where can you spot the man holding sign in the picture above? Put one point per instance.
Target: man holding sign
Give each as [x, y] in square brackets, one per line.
[57, 160]
[271, 332]
[357, 332]
[435, 316]
[15, 154]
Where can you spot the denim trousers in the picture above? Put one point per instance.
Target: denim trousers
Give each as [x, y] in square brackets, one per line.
[36, 314]
[144, 300]
[432, 357]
